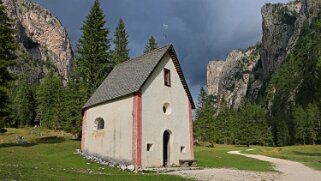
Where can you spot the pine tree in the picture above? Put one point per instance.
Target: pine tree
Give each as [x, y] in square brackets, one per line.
[7, 58]
[299, 117]
[151, 45]
[50, 99]
[204, 128]
[93, 54]
[282, 135]
[121, 52]
[225, 124]
[74, 99]
[23, 104]
[253, 127]
[313, 121]
[318, 81]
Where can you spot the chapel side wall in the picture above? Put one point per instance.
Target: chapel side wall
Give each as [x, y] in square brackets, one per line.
[114, 142]
[155, 122]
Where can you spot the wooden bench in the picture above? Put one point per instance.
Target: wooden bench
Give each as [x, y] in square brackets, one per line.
[187, 163]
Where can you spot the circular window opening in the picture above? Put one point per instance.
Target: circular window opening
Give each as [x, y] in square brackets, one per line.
[167, 109]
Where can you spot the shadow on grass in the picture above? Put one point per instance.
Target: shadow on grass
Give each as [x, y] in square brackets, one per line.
[242, 146]
[306, 154]
[42, 140]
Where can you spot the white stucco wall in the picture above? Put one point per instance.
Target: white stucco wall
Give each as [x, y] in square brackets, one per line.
[115, 140]
[155, 122]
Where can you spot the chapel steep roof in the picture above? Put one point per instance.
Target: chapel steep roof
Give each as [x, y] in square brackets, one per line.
[129, 77]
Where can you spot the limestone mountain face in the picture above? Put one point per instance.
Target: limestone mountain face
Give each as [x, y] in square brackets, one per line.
[280, 28]
[282, 25]
[244, 73]
[214, 70]
[41, 35]
[229, 79]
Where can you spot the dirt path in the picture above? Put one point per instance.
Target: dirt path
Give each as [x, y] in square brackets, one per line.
[227, 175]
[288, 170]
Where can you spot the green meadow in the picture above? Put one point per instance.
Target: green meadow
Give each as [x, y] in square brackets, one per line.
[217, 157]
[54, 159]
[49, 155]
[310, 155]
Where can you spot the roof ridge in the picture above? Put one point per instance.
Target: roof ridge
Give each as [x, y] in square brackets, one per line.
[134, 59]
[150, 52]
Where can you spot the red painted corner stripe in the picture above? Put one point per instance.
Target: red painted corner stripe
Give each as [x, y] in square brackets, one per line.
[84, 120]
[191, 129]
[137, 130]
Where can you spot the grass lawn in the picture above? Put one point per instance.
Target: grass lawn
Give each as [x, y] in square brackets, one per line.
[218, 157]
[309, 155]
[53, 159]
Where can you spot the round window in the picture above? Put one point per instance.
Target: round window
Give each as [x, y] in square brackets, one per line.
[167, 109]
[99, 124]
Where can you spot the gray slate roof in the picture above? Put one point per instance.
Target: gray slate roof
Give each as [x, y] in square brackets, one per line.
[128, 77]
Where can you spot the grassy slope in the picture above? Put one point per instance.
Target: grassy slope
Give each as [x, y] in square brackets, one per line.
[218, 157]
[54, 160]
[308, 155]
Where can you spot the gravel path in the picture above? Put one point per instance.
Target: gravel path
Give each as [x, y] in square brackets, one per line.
[287, 170]
[227, 175]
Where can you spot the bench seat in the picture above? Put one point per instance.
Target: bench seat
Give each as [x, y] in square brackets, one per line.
[188, 163]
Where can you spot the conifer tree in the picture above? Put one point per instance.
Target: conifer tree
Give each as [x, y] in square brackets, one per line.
[93, 54]
[318, 82]
[23, 104]
[299, 117]
[74, 99]
[50, 99]
[151, 45]
[225, 122]
[121, 52]
[7, 59]
[252, 126]
[307, 123]
[282, 136]
[313, 122]
[204, 128]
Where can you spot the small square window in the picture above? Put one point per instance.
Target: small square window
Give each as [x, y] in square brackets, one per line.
[167, 77]
[183, 149]
[150, 147]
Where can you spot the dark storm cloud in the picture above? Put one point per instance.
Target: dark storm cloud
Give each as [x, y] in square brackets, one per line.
[201, 30]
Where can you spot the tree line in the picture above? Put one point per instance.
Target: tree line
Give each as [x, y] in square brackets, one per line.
[251, 125]
[248, 125]
[48, 102]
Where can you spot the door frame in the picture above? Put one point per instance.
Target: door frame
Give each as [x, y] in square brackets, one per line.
[169, 146]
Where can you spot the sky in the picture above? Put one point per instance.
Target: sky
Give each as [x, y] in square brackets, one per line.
[200, 30]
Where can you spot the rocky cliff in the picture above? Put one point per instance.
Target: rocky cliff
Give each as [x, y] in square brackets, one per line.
[244, 73]
[281, 24]
[214, 70]
[41, 35]
[228, 80]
